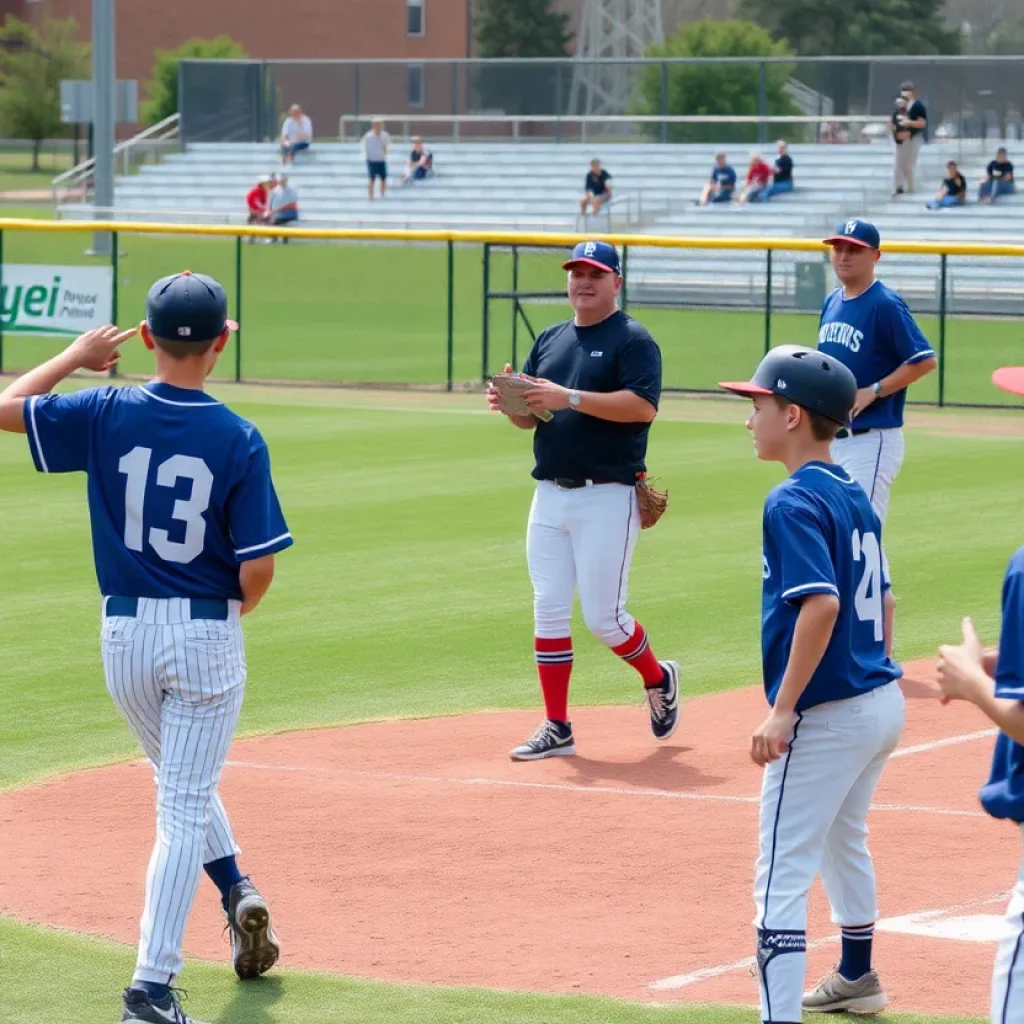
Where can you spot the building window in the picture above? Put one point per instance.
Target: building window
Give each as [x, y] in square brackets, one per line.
[415, 22]
[414, 86]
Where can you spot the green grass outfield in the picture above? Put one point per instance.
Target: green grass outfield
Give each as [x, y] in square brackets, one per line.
[378, 313]
[406, 594]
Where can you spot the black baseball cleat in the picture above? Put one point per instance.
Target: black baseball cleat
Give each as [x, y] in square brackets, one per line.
[663, 702]
[254, 946]
[552, 739]
[142, 1008]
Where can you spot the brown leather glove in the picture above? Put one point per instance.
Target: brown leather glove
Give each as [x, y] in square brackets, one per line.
[651, 503]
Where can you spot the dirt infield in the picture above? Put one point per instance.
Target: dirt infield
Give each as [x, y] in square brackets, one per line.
[416, 851]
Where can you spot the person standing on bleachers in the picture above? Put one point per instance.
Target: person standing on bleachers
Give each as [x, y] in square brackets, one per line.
[908, 127]
[998, 179]
[721, 184]
[953, 191]
[296, 134]
[596, 190]
[375, 150]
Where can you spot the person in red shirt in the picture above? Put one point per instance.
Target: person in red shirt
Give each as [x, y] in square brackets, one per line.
[257, 199]
[759, 175]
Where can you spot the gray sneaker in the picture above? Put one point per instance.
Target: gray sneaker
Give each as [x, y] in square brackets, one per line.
[834, 993]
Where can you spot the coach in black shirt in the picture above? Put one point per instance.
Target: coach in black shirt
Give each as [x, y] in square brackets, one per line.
[600, 374]
[912, 121]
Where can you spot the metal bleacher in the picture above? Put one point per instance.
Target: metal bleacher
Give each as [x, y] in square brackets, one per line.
[535, 186]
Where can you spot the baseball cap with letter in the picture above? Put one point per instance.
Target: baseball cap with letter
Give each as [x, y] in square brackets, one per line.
[806, 377]
[856, 232]
[188, 307]
[594, 254]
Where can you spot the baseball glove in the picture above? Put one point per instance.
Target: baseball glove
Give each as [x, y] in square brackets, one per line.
[510, 396]
[652, 503]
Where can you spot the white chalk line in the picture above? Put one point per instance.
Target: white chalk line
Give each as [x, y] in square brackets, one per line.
[678, 981]
[949, 741]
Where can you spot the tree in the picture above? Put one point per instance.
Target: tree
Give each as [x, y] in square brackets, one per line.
[162, 87]
[32, 64]
[839, 28]
[726, 89]
[519, 28]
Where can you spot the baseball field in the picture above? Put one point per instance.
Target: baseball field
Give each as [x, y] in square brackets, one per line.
[415, 873]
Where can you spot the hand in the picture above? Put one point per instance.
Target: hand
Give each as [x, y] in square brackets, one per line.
[494, 396]
[865, 396]
[962, 668]
[546, 395]
[97, 349]
[771, 738]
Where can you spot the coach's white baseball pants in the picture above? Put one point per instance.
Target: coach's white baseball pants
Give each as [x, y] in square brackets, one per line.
[585, 538]
[1008, 975]
[814, 808]
[179, 682]
[874, 460]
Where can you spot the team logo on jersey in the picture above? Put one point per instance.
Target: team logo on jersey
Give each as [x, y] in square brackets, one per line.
[838, 333]
[590, 248]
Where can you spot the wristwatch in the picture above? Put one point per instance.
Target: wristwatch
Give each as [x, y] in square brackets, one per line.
[574, 399]
[877, 388]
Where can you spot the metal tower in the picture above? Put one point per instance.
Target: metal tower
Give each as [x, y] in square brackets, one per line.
[612, 30]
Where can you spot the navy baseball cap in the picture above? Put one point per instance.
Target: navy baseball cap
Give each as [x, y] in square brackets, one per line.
[595, 254]
[857, 232]
[188, 307]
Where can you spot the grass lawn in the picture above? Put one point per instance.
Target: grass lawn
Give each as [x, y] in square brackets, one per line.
[402, 504]
[16, 172]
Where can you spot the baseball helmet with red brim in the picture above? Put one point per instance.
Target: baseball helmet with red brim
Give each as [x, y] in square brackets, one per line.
[595, 254]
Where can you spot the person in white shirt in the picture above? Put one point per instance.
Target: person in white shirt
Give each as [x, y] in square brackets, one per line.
[375, 149]
[284, 205]
[296, 134]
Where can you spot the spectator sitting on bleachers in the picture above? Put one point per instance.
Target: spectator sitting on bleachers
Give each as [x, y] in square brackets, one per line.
[596, 191]
[953, 191]
[998, 179]
[257, 202]
[296, 134]
[284, 203]
[782, 174]
[420, 164]
[758, 176]
[720, 186]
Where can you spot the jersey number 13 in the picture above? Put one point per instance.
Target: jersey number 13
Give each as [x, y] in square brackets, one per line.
[867, 602]
[135, 466]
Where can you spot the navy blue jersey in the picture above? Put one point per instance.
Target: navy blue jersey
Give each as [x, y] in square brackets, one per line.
[873, 334]
[615, 355]
[821, 536]
[179, 486]
[1003, 795]
[724, 176]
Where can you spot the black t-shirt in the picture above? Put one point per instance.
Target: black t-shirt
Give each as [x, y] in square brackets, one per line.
[955, 186]
[615, 355]
[916, 110]
[1000, 169]
[595, 182]
[783, 169]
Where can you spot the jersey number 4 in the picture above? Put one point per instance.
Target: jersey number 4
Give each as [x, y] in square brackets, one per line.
[867, 602]
[135, 466]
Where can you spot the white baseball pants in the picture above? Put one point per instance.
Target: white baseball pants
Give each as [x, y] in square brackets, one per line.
[582, 538]
[1008, 974]
[874, 460]
[814, 807]
[179, 683]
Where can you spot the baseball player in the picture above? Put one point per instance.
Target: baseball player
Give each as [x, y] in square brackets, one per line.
[836, 709]
[600, 375]
[994, 682]
[185, 525]
[868, 327]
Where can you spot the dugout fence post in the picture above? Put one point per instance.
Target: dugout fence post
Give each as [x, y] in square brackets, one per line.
[515, 307]
[485, 333]
[625, 280]
[943, 259]
[767, 300]
[238, 307]
[114, 265]
[451, 315]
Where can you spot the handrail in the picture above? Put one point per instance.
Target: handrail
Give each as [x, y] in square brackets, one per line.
[542, 239]
[162, 131]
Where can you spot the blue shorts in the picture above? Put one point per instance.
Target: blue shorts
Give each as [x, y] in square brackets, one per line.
[377, 169]
[282, 216]
[294, 147]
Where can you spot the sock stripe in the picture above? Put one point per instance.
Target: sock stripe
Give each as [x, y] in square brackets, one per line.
[633, 655]
[859, 933]
[553, 658]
